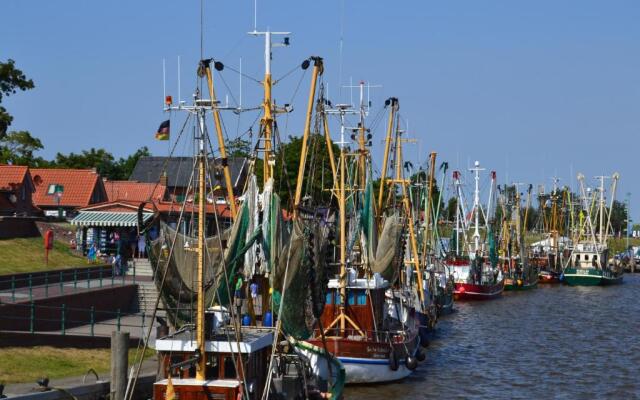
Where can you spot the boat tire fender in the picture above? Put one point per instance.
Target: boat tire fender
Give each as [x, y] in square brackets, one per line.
[393, 360]
[411, 363]
[420, 355]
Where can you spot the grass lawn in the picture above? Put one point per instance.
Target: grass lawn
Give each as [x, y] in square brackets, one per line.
[28, 364]
[27, 255]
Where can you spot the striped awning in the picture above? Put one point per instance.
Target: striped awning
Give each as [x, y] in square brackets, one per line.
[103, 218]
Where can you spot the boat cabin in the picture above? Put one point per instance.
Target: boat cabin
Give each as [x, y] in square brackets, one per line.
[588, 256]
[365, 299]
[232, 359]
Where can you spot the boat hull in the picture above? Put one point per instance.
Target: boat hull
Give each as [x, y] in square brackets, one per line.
[582, 277]
[547, 277]
[370, 362]
[469, 291]
[368, 370]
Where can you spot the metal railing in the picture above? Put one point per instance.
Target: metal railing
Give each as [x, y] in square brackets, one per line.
[74, 317]
[64, 282]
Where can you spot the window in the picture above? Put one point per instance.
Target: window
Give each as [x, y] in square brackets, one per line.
[357, 297]
[229, 368]
[362, 298]
[52, 189]
[212, 371]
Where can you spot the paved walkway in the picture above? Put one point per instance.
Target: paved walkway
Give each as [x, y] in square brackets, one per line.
[55, 289]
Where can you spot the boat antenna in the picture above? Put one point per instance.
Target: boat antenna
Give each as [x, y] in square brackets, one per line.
[164, 82]
[340, 48]
[255, 15]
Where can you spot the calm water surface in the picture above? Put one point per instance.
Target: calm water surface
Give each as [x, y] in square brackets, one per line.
[552, 342]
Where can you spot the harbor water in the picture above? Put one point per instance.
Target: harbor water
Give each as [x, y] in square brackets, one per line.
[551, 342]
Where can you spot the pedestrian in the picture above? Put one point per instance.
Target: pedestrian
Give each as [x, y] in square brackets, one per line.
[141, 246]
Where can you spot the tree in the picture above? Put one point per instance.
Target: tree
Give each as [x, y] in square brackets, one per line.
[238, 148]
[100, 159]
[317, 178]
[125, 166]
[17, 147]
[618, 217]
[11, 80]
[452, 205]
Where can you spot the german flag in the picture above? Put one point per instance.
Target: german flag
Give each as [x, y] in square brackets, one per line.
[163, 131]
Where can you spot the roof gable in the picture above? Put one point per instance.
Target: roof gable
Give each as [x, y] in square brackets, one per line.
[79, 186]
[178, 169]
[12, 176]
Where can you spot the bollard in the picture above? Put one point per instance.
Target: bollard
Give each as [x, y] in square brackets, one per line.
[13, 288]
[30, 287]
[46, 284]
[75, 279]
[32, 319]
[119, 364]
[100, 276]
[61, 282]
[134, 273]
[118, 319]
[143, 316]
[64, 306]
[112, 276]
[88, 278]
[93, 319]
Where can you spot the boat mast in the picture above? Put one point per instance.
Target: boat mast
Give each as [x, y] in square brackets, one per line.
[409, 215]
[343, 228]
[202, 158]
[206, 64]
[476, 205]
[362, 159]
[317, 70]
[393, 102]
[427, 206]
[267, 104]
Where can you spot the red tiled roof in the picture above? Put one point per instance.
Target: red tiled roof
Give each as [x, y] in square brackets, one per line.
[118, 206]
[134, 191]
[12, 176]
[222, 210]
[78, 184]
[161, 206]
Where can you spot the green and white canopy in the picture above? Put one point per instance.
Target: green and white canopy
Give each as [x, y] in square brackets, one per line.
[105, 218]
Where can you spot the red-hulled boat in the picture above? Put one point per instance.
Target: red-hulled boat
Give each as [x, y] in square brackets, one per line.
[470, 284]
[475, 277]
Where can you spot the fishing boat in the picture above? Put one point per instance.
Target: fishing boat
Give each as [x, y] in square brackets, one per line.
[474, 266]
[589, 264]
[549, 254]
[519, 273]
[440, 280]
[222, 348]
[369, 319]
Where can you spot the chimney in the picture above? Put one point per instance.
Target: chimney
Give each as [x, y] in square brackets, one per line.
[163, 178]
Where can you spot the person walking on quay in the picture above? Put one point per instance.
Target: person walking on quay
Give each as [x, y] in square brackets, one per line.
[141, 246]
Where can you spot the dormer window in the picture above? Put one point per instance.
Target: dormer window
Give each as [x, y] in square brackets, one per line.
[52, 189]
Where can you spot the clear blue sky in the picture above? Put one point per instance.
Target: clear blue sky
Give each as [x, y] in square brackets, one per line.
[530, 88]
